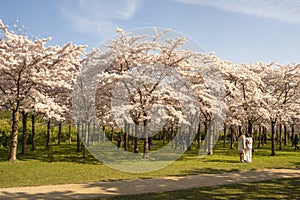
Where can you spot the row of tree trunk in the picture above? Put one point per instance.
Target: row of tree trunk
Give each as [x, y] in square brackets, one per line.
[33, 133]
[279, 135]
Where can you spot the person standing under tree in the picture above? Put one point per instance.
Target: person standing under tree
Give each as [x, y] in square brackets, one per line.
[241, 146]
[248, 149]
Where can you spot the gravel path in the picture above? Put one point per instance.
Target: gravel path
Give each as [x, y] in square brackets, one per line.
[98, 189]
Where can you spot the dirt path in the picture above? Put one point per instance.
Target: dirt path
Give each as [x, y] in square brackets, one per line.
[91, 190]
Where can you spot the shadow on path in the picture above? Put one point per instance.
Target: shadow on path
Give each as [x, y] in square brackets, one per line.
[127, 187]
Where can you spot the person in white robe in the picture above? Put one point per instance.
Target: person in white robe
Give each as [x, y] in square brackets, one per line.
[241, 146]
[248, 149]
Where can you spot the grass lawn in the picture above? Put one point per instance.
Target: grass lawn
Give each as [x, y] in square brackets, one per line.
[275, 189]
[62, 164]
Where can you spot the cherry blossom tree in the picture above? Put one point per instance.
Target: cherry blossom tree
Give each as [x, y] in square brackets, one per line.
[244, 97]
[29, 68]
[143, 67]
[279, 87]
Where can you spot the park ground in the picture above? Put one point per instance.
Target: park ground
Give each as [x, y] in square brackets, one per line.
[147, 187]
[62, 173]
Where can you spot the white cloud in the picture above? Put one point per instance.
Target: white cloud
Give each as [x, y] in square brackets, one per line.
[281, 10]
[98, 18]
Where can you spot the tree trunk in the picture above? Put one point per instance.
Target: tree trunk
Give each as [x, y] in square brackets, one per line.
[249, 131]
[24, 130]
[280, 136]
[293, 134]
[210, 139]
[33, 146]
[86, 138]
[273, 138]
[78, 137]
[163, 135]
[132, 136]
[100, 134]
[264, 135]
[59, 134]
[259, 137]
[146, 147]
[103, 134]
[136, 147]
[199, 136]
[14, 136]
[285, 135]
[168, 135]
[188, 139]
[276, 135]
[88, 135]
[240, 130]
[93, 133]
[231, 137]
[206, 137]
[112, 133]
[254, 134]
[48, 135]
[224, 142]
[175, 141]
[126, 136]
[171, 136]
[83, 151]
[70, 133]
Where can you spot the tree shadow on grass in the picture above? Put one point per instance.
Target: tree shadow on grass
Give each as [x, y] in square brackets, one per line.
[222, 161]
[297, 164]
[208, 171]
[58, 153]
[50, 195]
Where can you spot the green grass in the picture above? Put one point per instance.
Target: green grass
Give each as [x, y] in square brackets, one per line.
[275, 189]
[62, 164]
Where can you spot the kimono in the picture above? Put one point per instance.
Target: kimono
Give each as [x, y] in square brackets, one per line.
[241, 144]
[248, 150]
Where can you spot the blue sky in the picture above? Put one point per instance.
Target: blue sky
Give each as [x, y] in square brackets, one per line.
[240, 31]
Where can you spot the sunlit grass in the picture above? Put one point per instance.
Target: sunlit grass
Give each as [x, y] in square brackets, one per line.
[62, 164]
